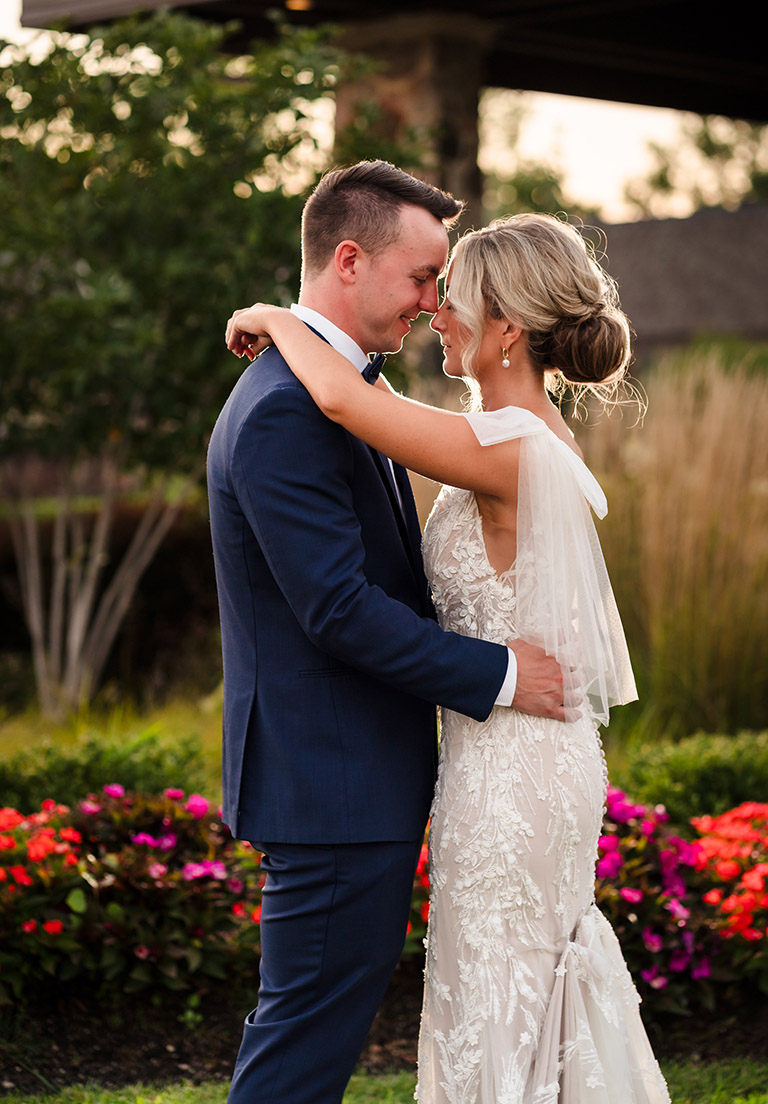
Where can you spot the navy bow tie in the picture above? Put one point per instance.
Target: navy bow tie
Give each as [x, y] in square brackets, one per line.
[371, 372]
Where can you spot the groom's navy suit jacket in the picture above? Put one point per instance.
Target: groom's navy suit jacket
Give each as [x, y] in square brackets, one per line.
[332, 657]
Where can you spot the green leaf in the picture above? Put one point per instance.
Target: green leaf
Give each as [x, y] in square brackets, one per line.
[76, 901]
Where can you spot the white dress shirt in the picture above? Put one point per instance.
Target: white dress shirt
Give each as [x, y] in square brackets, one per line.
[349, 348]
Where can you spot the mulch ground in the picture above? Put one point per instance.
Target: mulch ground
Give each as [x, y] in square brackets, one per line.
[76, 1043]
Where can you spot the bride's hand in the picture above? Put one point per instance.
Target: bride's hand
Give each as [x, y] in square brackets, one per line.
[248, 331]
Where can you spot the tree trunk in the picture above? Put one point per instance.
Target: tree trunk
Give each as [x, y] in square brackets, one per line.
[74, 619]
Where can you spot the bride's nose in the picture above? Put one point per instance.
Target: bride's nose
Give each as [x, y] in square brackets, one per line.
[436, 321]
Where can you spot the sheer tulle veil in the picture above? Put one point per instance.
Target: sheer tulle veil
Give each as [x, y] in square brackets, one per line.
[564, 598]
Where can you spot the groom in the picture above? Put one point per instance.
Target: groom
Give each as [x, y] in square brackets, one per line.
[333, 660]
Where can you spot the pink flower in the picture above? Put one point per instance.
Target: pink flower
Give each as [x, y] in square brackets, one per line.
[605, 844]
[609, 865]
[167, 842]
[653, 942]
[114, 789]
[192, 871]
[700, 969]
[143, 839]
[678, 911]
[174, 793]
[235, 885]
[678, 960]
[634, 896]
[157, 870]
[208, 868]
[197, 805]
[90, 808]
[141, 951]
[654, 978]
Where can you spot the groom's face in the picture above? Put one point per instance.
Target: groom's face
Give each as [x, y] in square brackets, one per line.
[396, 285]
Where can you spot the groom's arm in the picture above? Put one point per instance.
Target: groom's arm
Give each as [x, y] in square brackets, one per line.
[292, 470]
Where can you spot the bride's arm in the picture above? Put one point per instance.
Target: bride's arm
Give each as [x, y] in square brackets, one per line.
[433, 442]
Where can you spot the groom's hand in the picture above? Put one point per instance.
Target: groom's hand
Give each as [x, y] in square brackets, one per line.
[539, 688]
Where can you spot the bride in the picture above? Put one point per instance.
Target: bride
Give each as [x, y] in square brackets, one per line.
[527, 998]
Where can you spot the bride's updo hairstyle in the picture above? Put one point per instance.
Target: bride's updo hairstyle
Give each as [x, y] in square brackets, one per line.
[540, 274]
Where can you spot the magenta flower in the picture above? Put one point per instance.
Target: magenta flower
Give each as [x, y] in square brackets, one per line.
[609, 865]
[678, 911]
[678, 960]
[655, 978]
[653, 942]
[192, 871]
[208, 868]
[608, 843]
[197, 805]
[634, 896]
[167, 842]
[114, 789]
[157, 870]
[700, 969]
[174, 793]
[143, 839]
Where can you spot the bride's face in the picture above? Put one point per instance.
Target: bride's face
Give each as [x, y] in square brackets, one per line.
[454, 338]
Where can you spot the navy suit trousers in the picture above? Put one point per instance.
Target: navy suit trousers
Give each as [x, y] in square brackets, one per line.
[333, 923]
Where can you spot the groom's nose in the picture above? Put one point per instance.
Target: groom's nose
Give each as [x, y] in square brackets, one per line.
[428, 299]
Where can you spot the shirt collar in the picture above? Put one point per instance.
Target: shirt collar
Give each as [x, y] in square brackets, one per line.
[340, 340]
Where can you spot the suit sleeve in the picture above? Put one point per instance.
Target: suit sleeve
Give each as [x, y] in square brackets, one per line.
[292, 470]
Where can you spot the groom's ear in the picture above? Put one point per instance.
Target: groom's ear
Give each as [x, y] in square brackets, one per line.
[346, 260]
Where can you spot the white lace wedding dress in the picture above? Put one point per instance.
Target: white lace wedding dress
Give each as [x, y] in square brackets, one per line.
[527, 997]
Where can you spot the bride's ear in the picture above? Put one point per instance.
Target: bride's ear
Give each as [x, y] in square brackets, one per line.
[511, 334]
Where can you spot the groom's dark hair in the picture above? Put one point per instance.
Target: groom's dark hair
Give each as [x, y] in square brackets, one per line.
[362, 203]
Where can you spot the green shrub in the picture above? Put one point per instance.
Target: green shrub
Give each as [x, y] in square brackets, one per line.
[702, 772]
[146, 763]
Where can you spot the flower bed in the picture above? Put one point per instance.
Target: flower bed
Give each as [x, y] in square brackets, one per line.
[123, 893]
[138, 893]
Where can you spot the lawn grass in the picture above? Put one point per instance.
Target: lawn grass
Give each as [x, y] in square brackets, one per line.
[732, 1082]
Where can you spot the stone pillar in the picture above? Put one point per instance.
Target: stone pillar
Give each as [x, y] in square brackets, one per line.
[430, 69]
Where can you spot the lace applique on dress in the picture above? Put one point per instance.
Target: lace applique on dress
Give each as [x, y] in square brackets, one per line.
[527, 997]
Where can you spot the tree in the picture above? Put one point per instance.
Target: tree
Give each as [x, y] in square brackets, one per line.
[716, 162]
[149, 182]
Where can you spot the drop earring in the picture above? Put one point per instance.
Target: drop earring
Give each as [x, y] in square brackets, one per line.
[505, 358]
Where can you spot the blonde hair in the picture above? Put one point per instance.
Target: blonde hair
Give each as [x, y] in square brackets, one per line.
[541, 275]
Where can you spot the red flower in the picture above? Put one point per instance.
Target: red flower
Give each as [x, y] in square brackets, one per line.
[9, 818]
[20, 875]
[727, 868]
[29, 925]
[53, 927]
[7, 843]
